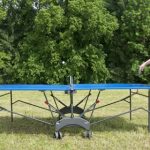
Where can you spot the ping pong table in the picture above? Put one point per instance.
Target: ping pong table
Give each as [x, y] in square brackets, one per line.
[79, 119]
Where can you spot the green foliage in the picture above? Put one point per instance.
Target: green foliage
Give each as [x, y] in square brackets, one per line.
[30, 71]
[4, 67]
[99, 40]
[2, 13]
[130, 45]
[72, 34]
[6, 41]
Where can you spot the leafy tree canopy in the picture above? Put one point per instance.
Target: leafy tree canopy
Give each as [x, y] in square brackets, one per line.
[74, 34]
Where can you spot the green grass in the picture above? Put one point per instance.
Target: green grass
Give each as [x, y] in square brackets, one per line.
[116, 134]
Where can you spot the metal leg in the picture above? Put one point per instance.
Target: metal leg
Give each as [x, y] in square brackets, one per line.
[71, 103]
[56, 99]
[121, 114]
[130, 102]
[85, 98]
[71, 96]
[92, 107]
[50, 106]
[123, 99]
[96, 101]
[148, 110]
[11, 106]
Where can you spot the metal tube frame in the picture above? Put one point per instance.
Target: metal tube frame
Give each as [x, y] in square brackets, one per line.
[95, 105]
[52, 107]
[130, 109]
[19, 114]
[117, 101]
[11, 106]
[71, 96]
[85, 98]
[31, 105]
[130, 103]
[139, 93]
[56, 99]
[12, 112]
[73, 119]
[124, 113]
[5, 94]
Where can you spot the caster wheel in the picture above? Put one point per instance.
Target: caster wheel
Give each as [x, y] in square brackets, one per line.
[58, 135]
[88, 134]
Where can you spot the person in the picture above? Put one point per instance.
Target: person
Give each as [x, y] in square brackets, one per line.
[143, 65]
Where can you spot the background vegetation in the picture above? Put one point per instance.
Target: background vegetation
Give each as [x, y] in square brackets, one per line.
[99, 40]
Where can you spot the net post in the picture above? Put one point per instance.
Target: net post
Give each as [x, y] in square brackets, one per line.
[71, 96]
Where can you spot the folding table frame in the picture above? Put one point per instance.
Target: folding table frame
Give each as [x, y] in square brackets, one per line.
[67, 114]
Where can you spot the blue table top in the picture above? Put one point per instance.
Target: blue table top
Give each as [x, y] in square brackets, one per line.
[57, 87]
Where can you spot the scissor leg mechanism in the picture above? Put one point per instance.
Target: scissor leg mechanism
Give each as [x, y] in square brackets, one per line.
[72, 119]
[131, 93]
[74, 114]
[65, 109]
[68, 109]
[19, 114]
[121, 114]
[81, 121]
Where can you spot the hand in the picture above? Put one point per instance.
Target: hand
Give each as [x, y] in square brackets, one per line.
[141, 68]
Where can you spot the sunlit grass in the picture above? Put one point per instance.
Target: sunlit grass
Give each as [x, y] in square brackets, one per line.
[116, 134]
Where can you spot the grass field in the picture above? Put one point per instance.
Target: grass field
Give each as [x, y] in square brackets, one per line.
[116, 134]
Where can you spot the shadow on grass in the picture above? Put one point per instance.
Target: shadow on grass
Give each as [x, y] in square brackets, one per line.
[116, 124]
[27, 126]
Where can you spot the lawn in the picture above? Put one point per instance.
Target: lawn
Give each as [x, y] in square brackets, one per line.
[116, 134]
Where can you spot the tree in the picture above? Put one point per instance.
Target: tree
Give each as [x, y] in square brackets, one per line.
[131, 41]
[18, 21]
[4, 44]
[73, 33]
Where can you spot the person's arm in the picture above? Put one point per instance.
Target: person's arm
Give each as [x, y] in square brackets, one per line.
[143, 65]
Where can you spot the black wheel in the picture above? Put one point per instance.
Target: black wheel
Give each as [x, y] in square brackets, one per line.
[88, 134]
[58, 135]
